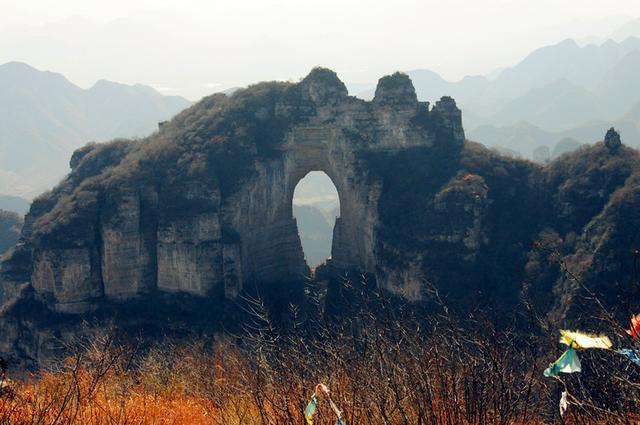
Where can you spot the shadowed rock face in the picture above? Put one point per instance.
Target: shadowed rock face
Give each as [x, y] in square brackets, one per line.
[205, 205]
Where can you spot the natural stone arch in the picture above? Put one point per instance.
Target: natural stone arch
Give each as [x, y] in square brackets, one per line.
[204, 206]
[197, 207]
[271, 246]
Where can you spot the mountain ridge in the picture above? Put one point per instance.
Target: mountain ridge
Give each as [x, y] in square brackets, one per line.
[47, 117]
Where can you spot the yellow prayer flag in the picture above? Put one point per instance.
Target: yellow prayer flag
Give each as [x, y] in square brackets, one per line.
[582, 340]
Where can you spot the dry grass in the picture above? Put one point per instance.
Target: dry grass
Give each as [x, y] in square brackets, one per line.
[382, 365]
[449, 378]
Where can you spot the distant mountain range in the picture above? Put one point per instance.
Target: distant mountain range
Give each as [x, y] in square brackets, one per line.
[630, 29]
[567, 92]
[14, 204]
[524, 137]
[44, 117]
[559, 91]
[315, 207]
[315, 228]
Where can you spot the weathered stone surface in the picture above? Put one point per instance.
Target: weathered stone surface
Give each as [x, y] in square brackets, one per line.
[464, 201]
[67, 276]
[126, 253]
[189, 254]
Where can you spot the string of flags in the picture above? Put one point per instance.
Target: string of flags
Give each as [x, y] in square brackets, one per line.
[321, 391]
[569, 362]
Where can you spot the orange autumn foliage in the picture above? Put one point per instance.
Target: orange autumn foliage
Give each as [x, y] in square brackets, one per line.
[384, 375]
[76, 398]
[634, 328]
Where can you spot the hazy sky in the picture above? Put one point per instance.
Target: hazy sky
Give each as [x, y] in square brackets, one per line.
[195, 47]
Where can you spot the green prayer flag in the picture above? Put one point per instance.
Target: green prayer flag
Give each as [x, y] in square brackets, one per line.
[310, 410]
[567, 363]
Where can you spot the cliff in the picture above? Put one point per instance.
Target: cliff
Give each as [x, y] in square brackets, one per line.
[204, 207]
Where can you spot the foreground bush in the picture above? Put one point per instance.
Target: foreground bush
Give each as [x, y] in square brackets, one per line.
[383, 365]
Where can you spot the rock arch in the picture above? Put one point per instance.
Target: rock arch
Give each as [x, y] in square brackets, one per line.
[272, 249]
[204, 205]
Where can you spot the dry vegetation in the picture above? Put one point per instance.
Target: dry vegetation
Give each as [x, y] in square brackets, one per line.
[387, 367]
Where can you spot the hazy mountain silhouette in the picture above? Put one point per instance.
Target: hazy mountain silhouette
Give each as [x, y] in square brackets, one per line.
[14, 204]
[555, 107]
[46, 117]
[559, 91]
[555, 89]
[316, 232]
[630, 29]
[618, 89]
[584, 66]
[556, 92]
[524, 137]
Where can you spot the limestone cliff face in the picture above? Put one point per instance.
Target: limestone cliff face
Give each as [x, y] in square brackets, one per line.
[204, 206]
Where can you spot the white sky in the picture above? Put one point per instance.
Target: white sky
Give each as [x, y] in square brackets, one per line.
[195, 47]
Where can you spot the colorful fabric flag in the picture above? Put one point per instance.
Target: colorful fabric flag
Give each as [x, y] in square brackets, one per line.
[582, 340]
[564, 404]
[322, 389]
[634, 329]
[310, 410]
[335, 408]
[633, 355]
[567, 363]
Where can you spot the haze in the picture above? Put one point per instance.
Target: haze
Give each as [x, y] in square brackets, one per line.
[199, 47]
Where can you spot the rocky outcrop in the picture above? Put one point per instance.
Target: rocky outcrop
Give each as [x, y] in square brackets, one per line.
[204, 207]
[612, 140]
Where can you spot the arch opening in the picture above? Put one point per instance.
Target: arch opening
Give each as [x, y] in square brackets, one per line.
[316, 206]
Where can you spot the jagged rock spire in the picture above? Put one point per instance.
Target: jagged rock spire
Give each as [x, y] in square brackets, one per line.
[324, 86]
[612, 140]
[396, 90]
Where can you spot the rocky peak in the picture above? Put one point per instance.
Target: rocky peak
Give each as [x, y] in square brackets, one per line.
[447, 106]
[448, 118]
[324, 86]
[396, 90]
[612, 140]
